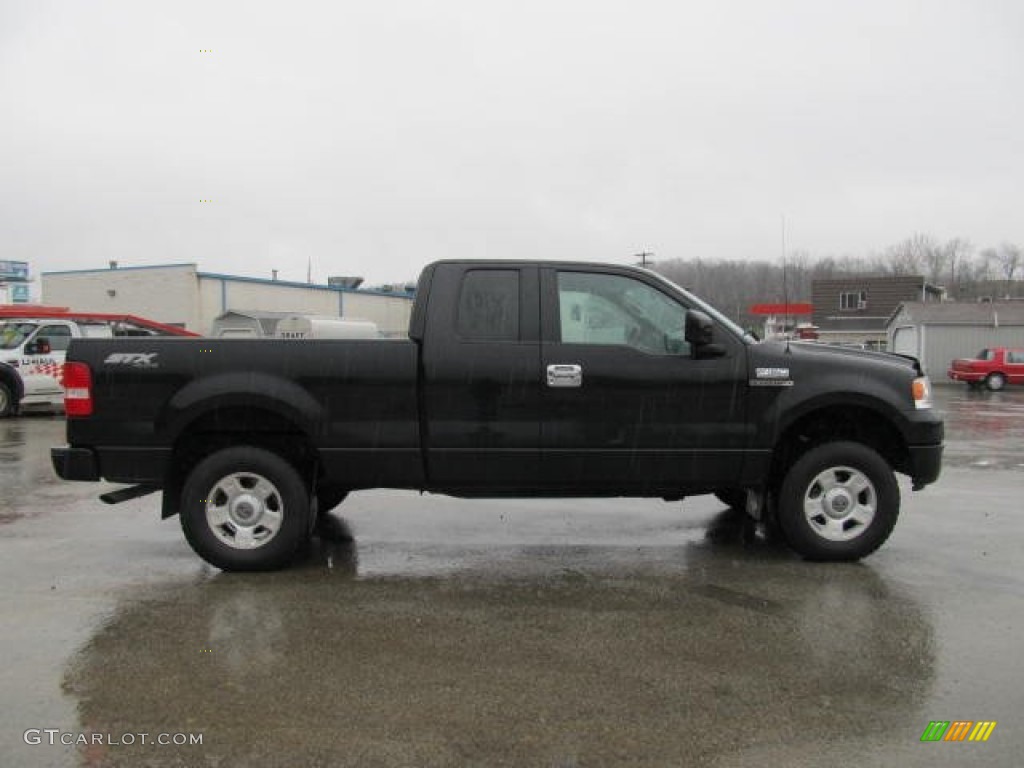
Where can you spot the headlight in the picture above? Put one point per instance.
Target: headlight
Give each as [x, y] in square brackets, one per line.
[922, 391]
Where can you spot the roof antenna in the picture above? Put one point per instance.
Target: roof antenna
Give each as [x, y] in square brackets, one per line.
[785, 288]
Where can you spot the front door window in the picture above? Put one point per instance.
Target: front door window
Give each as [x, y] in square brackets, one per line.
[613, 310]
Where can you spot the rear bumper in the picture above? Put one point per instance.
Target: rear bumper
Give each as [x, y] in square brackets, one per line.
[75, 463]
[118, 465]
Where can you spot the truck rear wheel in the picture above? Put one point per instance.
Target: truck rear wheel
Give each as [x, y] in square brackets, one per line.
[245, 509]
[839, 501]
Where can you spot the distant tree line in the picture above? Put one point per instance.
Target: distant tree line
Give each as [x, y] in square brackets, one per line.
[967, 273]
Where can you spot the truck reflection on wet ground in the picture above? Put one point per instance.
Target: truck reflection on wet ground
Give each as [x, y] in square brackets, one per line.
[535, 664]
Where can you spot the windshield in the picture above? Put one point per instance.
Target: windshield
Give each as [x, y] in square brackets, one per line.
[715, 315]
[12, 335]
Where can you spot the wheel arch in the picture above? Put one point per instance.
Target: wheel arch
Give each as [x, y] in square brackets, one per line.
[247, 421]
[860, 423]
[991, 375]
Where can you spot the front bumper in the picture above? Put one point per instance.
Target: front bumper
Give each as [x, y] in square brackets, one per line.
[924, 433]
[925, 464]
[75, 463]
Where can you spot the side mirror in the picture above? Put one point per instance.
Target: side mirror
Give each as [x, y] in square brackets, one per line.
[699, 332]
[699, 328]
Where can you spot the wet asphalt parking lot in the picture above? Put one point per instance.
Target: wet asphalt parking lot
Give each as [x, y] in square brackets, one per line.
[430, 631]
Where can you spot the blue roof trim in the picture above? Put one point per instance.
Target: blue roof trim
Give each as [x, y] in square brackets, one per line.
[118, 269]
[236, 278]
[307, 286]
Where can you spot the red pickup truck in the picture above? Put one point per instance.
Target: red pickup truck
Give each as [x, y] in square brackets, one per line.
[995, 368]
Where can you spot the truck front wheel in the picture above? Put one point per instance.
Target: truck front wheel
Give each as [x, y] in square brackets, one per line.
[839, 501]
[245, 509]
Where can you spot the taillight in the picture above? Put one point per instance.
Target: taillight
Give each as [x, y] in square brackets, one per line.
[77, 389]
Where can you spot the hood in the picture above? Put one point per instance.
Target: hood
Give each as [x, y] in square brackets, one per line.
[826, 353]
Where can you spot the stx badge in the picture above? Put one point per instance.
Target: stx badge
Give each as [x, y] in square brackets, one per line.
[133, 359]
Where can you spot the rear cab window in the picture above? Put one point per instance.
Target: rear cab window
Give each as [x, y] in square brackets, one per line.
[488, 305]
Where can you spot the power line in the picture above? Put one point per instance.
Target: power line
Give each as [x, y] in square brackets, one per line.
[644, 260]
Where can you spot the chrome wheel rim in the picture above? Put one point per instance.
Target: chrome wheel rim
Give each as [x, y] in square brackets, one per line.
[244, 510]
[840, 503]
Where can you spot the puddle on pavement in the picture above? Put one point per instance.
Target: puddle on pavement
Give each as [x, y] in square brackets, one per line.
[533, 656]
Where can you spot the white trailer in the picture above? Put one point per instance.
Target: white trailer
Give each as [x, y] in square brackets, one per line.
[325, 327]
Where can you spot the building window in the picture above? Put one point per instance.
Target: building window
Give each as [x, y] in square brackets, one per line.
[853, 300]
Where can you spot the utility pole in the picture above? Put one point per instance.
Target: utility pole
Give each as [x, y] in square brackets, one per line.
[644, 261]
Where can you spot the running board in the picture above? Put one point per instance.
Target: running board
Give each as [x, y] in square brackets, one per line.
[129, 493]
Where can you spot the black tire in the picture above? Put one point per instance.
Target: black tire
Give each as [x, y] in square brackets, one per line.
[245, 509]
[734, 498]
[7, 405]
[995, 382]
[839, 501]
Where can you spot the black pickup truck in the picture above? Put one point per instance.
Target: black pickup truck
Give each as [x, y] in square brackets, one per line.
[517, 379]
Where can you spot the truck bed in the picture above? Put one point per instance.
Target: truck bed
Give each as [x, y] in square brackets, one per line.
[356, 400]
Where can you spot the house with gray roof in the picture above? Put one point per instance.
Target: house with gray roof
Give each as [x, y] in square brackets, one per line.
[936, 333]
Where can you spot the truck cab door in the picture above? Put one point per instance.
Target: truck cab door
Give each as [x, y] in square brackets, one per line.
[480, 382]
[629, 406]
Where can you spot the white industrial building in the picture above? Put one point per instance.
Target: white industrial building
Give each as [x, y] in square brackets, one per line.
[937, 333]
[180, 294]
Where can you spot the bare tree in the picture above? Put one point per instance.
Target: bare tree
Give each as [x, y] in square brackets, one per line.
[733, 286]
[911, 256]
[1008, 256]
[957, 254]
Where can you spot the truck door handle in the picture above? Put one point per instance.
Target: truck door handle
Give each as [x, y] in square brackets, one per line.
[565, 376]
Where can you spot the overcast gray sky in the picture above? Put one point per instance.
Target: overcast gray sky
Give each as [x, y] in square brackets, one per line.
[373, 137]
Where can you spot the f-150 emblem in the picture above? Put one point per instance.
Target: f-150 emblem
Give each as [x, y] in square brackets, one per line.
[134, 359]
[771, 377]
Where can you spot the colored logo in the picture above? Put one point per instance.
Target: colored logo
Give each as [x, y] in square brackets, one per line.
[958, 730]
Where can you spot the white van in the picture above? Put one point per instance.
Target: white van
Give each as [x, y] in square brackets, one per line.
[36, 347]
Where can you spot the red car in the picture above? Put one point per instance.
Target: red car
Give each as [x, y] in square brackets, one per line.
[995, 368]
